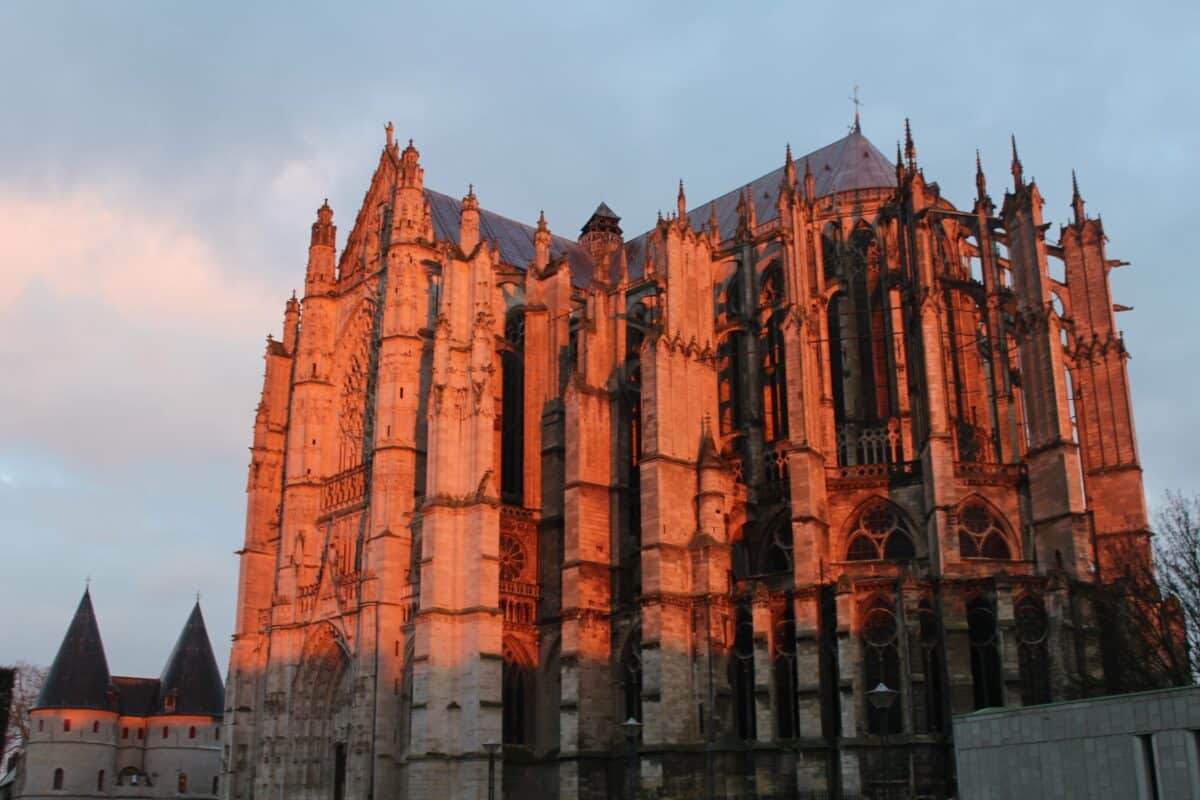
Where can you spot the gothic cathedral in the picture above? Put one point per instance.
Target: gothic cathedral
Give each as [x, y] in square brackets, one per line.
[752, 502]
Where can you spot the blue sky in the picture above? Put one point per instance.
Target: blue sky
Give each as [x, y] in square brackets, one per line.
[160, 165]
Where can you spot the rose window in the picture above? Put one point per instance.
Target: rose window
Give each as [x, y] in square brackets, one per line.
[512, 558]
[980, 534]
[880, 534]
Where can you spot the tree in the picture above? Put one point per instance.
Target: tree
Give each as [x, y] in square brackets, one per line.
[1149, 611]
[27, 685]
[1177, 556]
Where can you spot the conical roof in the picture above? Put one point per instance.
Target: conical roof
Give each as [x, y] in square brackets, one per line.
[191, 674]
[79, 677]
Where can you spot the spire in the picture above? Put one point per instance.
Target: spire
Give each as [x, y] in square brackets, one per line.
[714, 223]
[910, 149]
[1018, 179]
[411, 174]
[541, 242]
[468, 225]
[319, 273]
[810, 183]
[710, 458]
[789, 167]
[980, 180]
[681, 201]
[391, 134]
[191, 674]
[1076, 200]
[79, 677]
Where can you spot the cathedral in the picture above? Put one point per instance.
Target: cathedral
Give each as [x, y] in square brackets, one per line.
[750, 503]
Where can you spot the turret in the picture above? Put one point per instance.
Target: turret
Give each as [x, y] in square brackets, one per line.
[468, 226]
[291, 323]
[601, 234]
[319, 278]
[191, 681]
[1076, 201]
[79, 676]
[409, 207]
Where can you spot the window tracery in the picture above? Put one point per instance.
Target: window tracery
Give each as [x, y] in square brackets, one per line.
[880, 534]
[512, 558]
[981, 534]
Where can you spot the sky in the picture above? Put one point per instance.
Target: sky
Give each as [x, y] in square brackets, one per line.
[161, 163]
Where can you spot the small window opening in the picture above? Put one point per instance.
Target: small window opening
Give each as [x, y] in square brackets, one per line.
[96, 726]
[192, 732]
[58, 778]
[66, 726]
[125, 732]
[183, 783]
[165, 731]
[100, 781]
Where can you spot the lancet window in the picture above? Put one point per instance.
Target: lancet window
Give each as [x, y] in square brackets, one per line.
[986, 675]
[771, 351]
[741, 667]
[1033, 656]
[512, 438]
[787, 723]
[861, 349]
[631, 676]
[881, 663]
[932, 714]
[879, 533]
[518, 694]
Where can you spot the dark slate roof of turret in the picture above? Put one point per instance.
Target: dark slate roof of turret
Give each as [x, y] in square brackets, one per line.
[604, 212]
[192, 671]
[78, 678]
[850, 163]
[515, 238]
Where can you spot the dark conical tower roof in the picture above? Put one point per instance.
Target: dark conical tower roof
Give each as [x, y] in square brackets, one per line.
[603, 219]
[79, 677]
[191, 674]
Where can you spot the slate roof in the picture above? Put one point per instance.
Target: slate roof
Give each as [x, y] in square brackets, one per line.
[515, 238]
[192, 673]
[138, 697]
[79, 677]
[850, 163]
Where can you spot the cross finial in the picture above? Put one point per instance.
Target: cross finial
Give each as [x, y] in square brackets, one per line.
[857, 126]
[87, 582]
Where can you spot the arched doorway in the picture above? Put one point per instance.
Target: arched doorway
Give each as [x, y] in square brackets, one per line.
[322, 705]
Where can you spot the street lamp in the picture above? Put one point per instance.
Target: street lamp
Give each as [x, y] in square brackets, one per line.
[882, 698]
[491, 745]
[632, 728]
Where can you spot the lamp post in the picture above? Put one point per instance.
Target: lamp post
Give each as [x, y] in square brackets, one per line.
[882, 698]
[491, 745]
[632, 728]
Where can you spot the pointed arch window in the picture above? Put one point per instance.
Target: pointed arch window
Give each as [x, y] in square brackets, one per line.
[981, 533]
[1033, 656]
[878, 534]
[986, 675]
[518, 695]
[932, 661]
[881, 664]
[742, 668]
[787, 718]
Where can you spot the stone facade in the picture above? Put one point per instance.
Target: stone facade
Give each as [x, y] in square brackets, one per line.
[824, 432]
[95, 735]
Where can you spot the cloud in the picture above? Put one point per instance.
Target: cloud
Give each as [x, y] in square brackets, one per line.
[122, 334]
